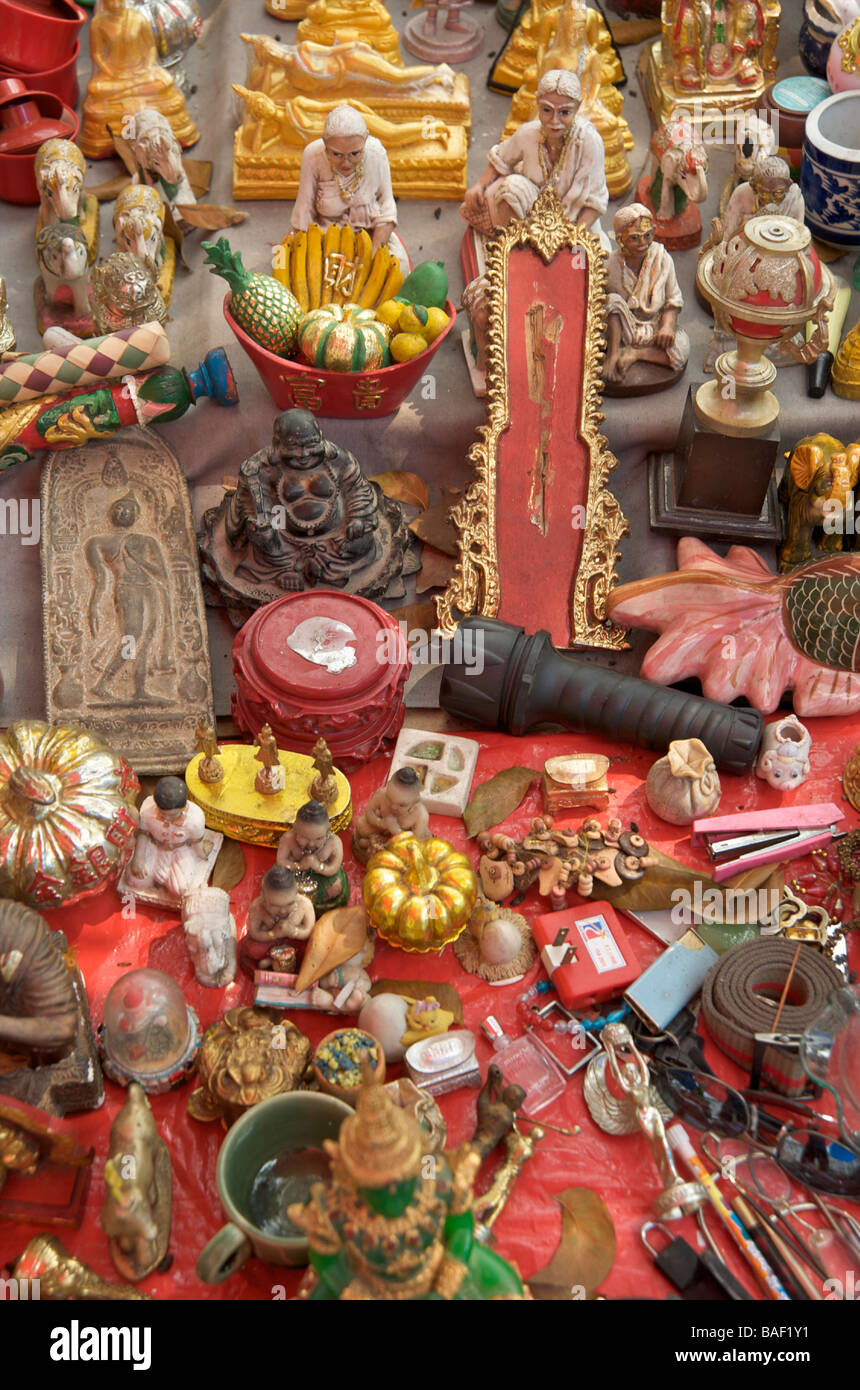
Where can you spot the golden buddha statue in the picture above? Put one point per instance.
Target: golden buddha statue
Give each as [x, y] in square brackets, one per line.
[715, 56]
[571, 51]
[536, 30]
[346, 71]
[427, 156]
[845, 377]
[126, 78]
[351, 21]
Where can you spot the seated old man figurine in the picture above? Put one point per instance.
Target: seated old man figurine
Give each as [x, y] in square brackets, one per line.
[171, 850]
[309, 847]
[393, 808]
[281, 913]
[770, 189]
[561, 148]
[345, 179]
[644, 302]
[303, 515]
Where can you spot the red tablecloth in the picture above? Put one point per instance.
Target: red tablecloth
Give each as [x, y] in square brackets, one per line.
[620, 1169]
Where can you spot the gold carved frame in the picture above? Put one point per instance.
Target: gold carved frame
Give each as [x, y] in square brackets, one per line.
[475, 587]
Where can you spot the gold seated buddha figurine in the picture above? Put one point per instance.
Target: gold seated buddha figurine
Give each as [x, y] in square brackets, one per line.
[571, 51]
[428, 159]
[126, 77]
[845, 377]
[351, 21]
[716, 57]
[536, 29]
[346, 71]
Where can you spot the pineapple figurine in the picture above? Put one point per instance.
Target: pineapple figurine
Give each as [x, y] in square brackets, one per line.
[261, 306]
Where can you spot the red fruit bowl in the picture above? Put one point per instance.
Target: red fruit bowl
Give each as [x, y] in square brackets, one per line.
[39, 34]
[61, 81]
[17, 171]
[337, 395]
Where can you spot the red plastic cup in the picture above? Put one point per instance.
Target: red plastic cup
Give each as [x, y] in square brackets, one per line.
[39, 34]
[61, 81]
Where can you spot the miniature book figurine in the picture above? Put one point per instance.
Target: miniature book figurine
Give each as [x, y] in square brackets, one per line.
[137, 1206]
[280, 913]
[388, 1228]
[171, 849]
[455, 41]
[560, 148]
[126, 78]
[60, 170]
[393, 808]
[311, 849]
[345, 179]
[62, 293]
[784, 758]
[271, 778]
[644, 303]
[677, 181]
[303, 516]
[125, 294]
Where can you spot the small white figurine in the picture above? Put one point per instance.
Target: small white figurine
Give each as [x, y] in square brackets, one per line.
[784, 758]
[644, 299]
[561, 148]
[171, 850]
[345, 179]
[755, 139]
[210, 935]
[770, 189]
[63, 257]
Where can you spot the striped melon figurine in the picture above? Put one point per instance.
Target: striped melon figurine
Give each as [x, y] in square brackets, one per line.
[344, 338]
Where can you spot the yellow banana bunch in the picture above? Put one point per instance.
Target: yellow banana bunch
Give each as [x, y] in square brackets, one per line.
[314, 264]
[304, 263]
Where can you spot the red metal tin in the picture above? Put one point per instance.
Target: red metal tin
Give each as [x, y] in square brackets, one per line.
[354, 709]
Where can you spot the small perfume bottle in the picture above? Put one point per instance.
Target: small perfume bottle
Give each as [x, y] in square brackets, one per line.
[524, 1064]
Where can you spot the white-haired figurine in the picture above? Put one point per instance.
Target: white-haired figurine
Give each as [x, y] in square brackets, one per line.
[345, 179]
[644, 300]
[561, 148]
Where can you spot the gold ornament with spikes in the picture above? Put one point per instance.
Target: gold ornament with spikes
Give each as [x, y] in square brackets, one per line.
[380, 1143]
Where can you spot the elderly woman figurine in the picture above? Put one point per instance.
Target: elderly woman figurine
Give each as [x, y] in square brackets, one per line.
[644, 300]
[345, 179]
[561, 148]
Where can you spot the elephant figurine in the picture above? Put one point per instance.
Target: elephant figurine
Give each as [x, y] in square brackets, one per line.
[62, 254]
[138, 224]
[819, 488]
[678, 180]
[60, 170]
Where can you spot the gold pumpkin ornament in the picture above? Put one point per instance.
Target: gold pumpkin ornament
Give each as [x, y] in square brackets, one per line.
[67, 814]
[419, 894]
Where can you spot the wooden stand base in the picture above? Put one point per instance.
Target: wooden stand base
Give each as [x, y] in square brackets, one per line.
[667, 514]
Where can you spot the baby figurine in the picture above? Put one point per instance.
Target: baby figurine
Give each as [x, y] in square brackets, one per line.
[310, 847]
[280, 912]
[170, 850]
[394, 808]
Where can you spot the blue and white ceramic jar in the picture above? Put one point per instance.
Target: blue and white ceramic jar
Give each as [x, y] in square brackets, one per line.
[817, 32]
[830, 173]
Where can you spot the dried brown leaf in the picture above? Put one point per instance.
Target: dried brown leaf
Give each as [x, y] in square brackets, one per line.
[654, 892]
[494, 800]
[404, 487]
[434, 527]
[209, 217]
[586, 1250]
[229, 866]
[110, 189]
[417, 616]
[123, 149]
[436, 570]
[199, 173]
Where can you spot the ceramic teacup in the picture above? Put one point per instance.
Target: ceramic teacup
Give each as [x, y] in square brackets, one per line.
[830, 174]
[300, 1120]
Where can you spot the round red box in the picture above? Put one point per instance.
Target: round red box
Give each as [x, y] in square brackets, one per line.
[337, 395]
[354, 710]
[35, 36]
[18, 172]
[61, 81]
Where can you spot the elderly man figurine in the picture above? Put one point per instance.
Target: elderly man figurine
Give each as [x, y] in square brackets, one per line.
[345, 179]
[561, 148]
[770, 189]
[644, 300]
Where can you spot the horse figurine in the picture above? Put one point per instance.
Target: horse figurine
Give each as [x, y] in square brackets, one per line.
[158, 156]
[677, 181]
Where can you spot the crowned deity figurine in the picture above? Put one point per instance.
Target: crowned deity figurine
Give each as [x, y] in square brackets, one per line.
[392, 1227]
[712, 54]
[303, 516]
[126, 77]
